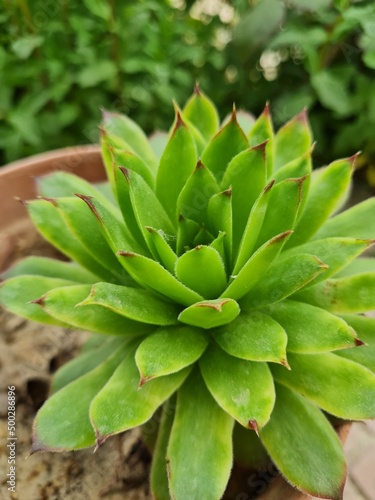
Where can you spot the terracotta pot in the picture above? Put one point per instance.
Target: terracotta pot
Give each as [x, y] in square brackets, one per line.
[17, 180]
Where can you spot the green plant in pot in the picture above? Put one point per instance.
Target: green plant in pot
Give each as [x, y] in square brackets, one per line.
[223, 289]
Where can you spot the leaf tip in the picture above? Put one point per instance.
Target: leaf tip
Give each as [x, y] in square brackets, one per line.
[197, 90]
[40, 301]
[358, 342]
[253, 424]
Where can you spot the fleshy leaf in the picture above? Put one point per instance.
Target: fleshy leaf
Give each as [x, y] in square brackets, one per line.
[284, 278]
[248, 395]
[282, 210]
[202, 270]
[161, 249]
[57, 427]
[227, 143]
[295, 423]
[50, 268]
[176, 165]
[152, 275]
[169, 350]
[86, 361]
[356, 222]
[122, 404]
[354, 294]
[193, 200]
[317, 377]
[246, 175]
[292, 140]
[16, 294]
[133, 303]
[130, 136]
[199, 454]
[325, 192]
[248, 449]
[255, 268]
[221, 218]
[60, 303]
[357, 266]
[311, 329]
[255, 337]
[131, 161]
[201, 112]
[263, 131]
[210, 313]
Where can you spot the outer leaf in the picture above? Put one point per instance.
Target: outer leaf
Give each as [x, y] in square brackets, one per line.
[282, 209]
[284, 278]
[133, 303]
[158, 475]
[325, 193]
[221, 218]
[169, 350]
[176, 166]
[130, 136]
[51, 225]
[255, 267]
[227, 143]
[122, 405]
[311, 329]
[152, 275]
[57, 427]
[17, 293]
[263, 131]
[248, 449]
[86, 361]
[356, 222]
[60, 303]
[193, 200]
[202, 270]
[292, 140]
[255, 337]
[354, 294]
[248, 394]
[246, 174]
[335, 252]
[365, 328]
[347, 392]
[50, 268]
[200, 446]
[201, 112]
[357, 266]
[296, 423]
[159, 246]
[210, 313]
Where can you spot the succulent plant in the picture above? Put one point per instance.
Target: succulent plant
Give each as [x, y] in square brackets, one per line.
[225, 296]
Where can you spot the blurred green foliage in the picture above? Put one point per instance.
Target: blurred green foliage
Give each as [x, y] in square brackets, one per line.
[61, 60]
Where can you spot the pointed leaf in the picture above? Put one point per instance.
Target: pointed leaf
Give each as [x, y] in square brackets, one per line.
[296, 423]
[310, 329]
[133, 162]
[159, 246]
[61, 304]
[202, 270]
[354, 294]
[292, 140]
[176, 165]
[199, 454]
[57, 427]
[201, 112]
[248, 395]
[324, 194]
[282, 209]
[254, 269]
[246, 174]
[210, 313]
[169, 350]
[50, 268]
[133, 303]
[122, 404]
[17, 293]
[227, 143]
[255, 337]
[221, 218]
[263, 131]
[193, 200]
[356, 222]
[151, 274]
[284, 278]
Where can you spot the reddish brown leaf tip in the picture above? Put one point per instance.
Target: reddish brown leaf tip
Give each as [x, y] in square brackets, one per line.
[53, 201]
[281, 237]
[89, 203]
[99, 440]
[197, 90]
[269, 186]
[23, 202]
[284, 362]
[143, 380]
[40, 301]
[179, 121]
[353, 159]
[125, 171]
[181, 218]
[233, 117]
[302, 116]
[253, 424]
[359, 342]
[124, 253]
[267, 110]
[199, 165]
[228, 192]
[150, 229]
